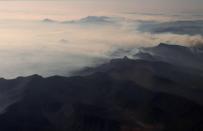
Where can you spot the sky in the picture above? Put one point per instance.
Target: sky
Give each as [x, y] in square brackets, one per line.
[72, 9]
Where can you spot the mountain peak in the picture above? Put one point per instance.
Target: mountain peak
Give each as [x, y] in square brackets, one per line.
[172, 46]
[125, 58]
[164, 45]
[48, 20]
[93, 19]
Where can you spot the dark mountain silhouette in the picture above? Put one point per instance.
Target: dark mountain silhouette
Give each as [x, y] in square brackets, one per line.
[121, 95]
[191, 57]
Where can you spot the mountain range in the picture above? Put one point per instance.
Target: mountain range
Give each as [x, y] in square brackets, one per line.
[189, 27]
[89, 20]
[153, 93]
[191, 57]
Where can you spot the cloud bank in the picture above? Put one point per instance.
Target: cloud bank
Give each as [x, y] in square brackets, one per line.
[52, 47]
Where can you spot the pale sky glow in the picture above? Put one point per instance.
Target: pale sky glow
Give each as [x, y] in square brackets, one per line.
[72, 9]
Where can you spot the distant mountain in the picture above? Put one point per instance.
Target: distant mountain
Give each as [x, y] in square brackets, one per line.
[91, 20]
[122, 94]
[177, 27]
[191, 57]
[49, 20]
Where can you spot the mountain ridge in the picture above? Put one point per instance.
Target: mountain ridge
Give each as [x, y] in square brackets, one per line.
[136, 94]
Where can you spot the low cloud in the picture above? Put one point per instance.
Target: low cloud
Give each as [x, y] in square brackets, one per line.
[29, 51]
